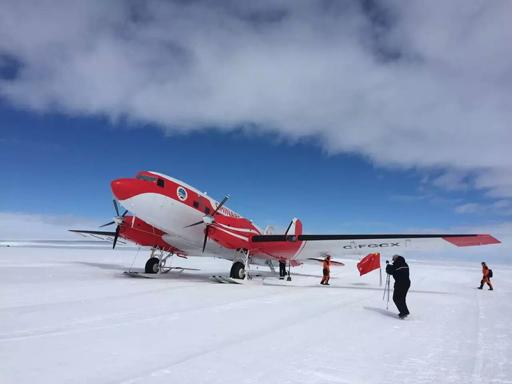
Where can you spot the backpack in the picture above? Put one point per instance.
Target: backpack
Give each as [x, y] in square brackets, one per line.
[490, 273]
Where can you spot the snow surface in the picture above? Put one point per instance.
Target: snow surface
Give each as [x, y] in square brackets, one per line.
[71, 316]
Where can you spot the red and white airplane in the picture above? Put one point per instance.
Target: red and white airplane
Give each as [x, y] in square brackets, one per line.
[173, 217]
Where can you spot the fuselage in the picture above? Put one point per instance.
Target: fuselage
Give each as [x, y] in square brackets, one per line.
[171, 205]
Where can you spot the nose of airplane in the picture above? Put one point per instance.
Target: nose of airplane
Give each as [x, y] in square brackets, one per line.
[123, 188]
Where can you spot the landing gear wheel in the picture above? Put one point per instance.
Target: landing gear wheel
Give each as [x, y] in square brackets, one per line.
[152, 265]
[237, 270]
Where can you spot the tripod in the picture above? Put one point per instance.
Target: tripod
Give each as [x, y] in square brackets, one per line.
[387, 289]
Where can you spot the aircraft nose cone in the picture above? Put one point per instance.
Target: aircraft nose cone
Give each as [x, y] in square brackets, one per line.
[123, 189]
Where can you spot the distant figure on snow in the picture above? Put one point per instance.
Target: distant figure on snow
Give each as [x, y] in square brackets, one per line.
[486, 276]
[326, 271]
[400, 271]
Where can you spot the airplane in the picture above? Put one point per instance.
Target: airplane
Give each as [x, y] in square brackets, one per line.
[177, 219]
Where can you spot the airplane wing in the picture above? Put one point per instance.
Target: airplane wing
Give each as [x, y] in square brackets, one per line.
[98, 243]
[339, 244]
[100, 235]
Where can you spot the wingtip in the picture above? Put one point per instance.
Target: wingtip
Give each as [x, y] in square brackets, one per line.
[467, 241]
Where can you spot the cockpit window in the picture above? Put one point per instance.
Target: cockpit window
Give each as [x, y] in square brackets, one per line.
[146, 178]
[160, 183]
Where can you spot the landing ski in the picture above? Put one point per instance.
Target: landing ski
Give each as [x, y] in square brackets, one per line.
[176, 270]
[140, 274]
[226, 280]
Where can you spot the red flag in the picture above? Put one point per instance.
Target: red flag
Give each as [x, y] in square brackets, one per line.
[368, 263]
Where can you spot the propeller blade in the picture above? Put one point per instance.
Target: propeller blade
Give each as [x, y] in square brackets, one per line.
[116, 236]
[124, 213]
[220, 205]
[205, 237]
[191, 225]
[104, 225]
[116, 207]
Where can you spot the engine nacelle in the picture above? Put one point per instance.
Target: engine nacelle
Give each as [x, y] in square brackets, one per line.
[140, 232]
[232, 232]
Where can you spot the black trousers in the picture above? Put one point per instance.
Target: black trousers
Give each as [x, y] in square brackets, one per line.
[282, 269]
[399, 295]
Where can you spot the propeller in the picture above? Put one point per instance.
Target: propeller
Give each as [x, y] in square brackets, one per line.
[117, 220]
[209, 220]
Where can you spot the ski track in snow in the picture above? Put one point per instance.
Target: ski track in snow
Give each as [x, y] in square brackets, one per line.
[117, 319]
[72, 317]
[264, 330]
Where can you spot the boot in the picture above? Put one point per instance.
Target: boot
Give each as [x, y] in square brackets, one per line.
[491, 289]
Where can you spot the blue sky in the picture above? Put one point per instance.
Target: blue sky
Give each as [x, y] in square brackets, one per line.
[60, 165]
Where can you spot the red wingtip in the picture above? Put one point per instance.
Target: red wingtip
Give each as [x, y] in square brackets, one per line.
[467, 241]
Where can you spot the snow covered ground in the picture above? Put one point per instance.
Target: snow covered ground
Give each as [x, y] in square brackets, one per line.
[70, 316]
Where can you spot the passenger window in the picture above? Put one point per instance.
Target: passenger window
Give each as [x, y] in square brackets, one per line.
[207, 210]
[160, 183]
[195, 204]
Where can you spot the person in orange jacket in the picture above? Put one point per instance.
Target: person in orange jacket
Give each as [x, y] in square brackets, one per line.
[486, 277]
[326, 271]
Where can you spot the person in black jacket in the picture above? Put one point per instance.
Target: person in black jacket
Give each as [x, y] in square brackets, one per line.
[400, 271]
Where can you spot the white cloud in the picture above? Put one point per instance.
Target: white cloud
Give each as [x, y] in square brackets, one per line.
[499, 208]
[406, 84]
[468, 208]
[451, 181]
[503, 204]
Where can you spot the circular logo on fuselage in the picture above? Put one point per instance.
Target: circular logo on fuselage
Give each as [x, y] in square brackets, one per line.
[182, 193]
